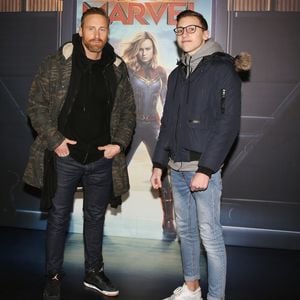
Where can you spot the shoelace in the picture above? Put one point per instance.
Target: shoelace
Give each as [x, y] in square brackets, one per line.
[55, 277]
[178, 290]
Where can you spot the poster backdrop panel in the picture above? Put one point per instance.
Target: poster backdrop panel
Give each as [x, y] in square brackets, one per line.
[142, 33]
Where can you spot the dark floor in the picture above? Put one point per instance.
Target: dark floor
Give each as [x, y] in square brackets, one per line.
[142, 269]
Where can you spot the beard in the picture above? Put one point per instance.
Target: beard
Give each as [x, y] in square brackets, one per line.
[95, 45]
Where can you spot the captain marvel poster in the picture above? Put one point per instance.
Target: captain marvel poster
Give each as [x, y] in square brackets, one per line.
[141, 32]
[156, 16]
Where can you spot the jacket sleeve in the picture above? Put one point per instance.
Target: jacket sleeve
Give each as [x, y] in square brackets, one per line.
[227, 124]
[39, 107]
[125, 109]
[161, 154]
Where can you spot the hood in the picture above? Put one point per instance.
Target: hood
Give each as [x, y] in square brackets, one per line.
[191, 61]
[242, 61]
[108, 55]
[68, 48]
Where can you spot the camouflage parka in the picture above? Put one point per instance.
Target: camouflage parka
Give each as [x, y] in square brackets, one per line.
[46, 98]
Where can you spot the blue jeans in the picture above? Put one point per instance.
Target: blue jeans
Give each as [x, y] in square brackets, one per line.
[198, 219]
[96, 179]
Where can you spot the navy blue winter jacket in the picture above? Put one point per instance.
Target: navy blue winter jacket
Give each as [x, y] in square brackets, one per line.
[201, 116]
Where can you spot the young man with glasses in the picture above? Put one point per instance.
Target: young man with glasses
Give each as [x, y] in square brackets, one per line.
[200, 122]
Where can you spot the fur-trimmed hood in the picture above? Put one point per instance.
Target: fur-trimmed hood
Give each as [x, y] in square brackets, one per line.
[242, 61]
[67, 51]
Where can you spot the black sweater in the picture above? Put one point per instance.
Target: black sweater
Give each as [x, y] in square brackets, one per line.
[88, 121]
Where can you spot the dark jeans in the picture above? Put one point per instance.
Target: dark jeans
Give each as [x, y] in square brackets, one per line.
[96, 178]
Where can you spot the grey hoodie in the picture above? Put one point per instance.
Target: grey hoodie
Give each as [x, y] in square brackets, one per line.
[192, 62]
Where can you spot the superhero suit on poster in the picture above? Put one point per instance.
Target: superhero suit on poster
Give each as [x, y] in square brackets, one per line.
[149, 83]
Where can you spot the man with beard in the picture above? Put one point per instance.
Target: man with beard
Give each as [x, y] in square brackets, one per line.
[81, 104]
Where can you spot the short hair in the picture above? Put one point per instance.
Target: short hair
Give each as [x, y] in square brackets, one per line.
[95, 11]
[192, 13]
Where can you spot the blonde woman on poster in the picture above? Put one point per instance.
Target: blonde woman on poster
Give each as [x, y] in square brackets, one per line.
[149, 82]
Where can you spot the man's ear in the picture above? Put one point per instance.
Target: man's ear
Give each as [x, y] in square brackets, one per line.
[80, 31]
[205, 35]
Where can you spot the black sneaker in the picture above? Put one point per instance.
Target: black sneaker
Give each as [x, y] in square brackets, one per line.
[52, 288]
[97, 281]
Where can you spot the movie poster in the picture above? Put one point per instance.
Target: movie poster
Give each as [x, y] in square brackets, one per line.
[145, 25]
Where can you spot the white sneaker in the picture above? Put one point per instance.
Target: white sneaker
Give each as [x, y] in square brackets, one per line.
[183, 293]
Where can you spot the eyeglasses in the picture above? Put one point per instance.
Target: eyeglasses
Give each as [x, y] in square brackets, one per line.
[188, 29]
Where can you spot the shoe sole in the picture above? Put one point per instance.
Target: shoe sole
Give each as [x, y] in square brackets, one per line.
[106, 293]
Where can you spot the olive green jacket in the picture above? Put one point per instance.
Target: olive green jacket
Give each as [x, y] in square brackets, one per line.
[46, 98]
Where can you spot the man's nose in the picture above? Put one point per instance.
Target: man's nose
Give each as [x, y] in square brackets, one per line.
[185, 33]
